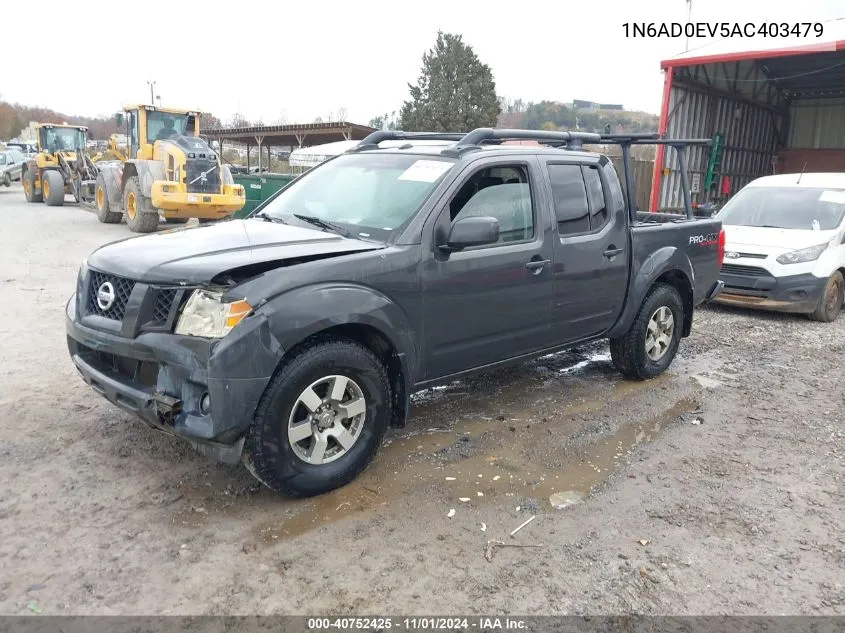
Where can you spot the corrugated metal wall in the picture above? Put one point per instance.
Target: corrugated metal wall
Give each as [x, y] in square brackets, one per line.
[750, 141]
[817, 124]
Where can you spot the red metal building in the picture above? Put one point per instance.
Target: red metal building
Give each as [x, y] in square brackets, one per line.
[777, 106]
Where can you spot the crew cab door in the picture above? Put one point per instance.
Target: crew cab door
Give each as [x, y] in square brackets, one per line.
[493, 302]
[591, 246]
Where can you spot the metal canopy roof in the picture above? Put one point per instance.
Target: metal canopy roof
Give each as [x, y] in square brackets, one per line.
[297, 135]
[793, 67]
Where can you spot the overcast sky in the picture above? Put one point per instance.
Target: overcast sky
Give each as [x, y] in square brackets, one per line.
[301, 60]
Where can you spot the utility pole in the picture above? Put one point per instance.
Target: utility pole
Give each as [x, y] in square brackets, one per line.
[151, 84]
[689, 16]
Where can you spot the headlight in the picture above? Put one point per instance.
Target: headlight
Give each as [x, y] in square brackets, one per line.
[206, 314]
[809, 254]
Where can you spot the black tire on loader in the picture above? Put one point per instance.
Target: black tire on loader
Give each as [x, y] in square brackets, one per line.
[53, 188]
[29, 187]
[101, 200]
[138, 220]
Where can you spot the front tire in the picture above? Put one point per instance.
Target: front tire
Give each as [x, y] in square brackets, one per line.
[53, 188]
[321, 419]
[830, 303]
[7, 180]
[138, 220]
[101, 200]
[652, 341]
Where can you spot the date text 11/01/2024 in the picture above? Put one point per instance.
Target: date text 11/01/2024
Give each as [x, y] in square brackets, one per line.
[722, 29]
[478, 623]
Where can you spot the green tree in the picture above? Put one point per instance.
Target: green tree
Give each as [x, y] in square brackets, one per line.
[384, 122]
[455, 91]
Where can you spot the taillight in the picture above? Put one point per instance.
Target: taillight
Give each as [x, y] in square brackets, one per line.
[721, 256]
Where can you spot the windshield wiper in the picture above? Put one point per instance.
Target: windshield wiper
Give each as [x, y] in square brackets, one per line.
[328, 226]
[269, 218]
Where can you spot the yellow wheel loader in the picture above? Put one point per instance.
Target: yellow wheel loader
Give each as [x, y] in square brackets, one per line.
[60, 167]
[166, 170]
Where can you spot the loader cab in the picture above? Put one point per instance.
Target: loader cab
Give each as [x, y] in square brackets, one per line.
[144, 125]
[61, 138]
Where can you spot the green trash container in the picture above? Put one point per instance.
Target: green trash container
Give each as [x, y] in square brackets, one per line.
[258, 188]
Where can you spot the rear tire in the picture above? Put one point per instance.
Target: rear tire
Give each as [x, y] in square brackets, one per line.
[647, 349]
[101, 201]
[830, 303]
[276, 461]
[29, 187]
[53, 188]
[138, 220]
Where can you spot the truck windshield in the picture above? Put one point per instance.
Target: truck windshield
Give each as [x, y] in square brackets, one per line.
[801, 208]
[371, 195]
[164, 125]
[55, 139]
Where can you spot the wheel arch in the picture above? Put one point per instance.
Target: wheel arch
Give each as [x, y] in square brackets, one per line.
[147, 171]
[680, 282]
[358, 313]
[666, 265]
[380, 344]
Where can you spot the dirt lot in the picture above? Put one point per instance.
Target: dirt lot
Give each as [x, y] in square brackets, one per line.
[739, 514]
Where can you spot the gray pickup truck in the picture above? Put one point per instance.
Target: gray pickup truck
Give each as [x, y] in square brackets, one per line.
[292, 339]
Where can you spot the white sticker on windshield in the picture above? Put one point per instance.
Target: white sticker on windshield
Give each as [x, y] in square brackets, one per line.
[837, 197]
[425, 170]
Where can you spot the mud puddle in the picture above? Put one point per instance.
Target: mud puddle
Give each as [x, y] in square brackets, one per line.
[483, 458]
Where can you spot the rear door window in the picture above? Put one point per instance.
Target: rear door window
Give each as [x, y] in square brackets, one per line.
[570, 199]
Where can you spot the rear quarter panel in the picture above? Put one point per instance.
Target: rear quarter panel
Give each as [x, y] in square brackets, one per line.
[688, 247]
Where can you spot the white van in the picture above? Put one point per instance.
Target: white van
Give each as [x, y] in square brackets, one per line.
[784, 246]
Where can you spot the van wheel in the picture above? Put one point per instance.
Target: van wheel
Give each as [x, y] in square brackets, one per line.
[651, 343]
[830, 303]
[321, 419]
[53, 188]
[138, 220]
[101, 200]
[29, 187]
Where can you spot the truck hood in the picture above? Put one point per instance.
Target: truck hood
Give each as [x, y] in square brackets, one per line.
[195, 255]
[755, 239]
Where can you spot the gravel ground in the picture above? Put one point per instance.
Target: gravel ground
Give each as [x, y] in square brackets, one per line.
[714, 489]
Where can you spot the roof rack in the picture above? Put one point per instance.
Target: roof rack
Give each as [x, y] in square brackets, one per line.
[489, 136]
[680, 145]
[372, 140]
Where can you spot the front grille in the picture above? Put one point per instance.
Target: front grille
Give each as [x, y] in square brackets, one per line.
[122, 289]
[194, 169]
[163, 305]
[753, 255]
[748, 271]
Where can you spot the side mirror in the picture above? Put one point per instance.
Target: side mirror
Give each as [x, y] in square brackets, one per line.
[118, 119]
[468, 232]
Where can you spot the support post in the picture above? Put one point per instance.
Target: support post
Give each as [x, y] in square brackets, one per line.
[259, 139]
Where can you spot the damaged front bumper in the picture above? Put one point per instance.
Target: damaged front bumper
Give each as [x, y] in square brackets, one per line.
[203, 390]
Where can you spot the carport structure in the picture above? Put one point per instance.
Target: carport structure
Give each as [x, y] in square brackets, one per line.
[778, 106]
[286, 136]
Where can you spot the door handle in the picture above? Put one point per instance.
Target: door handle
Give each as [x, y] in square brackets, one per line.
[612, 252]
[536, 265]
